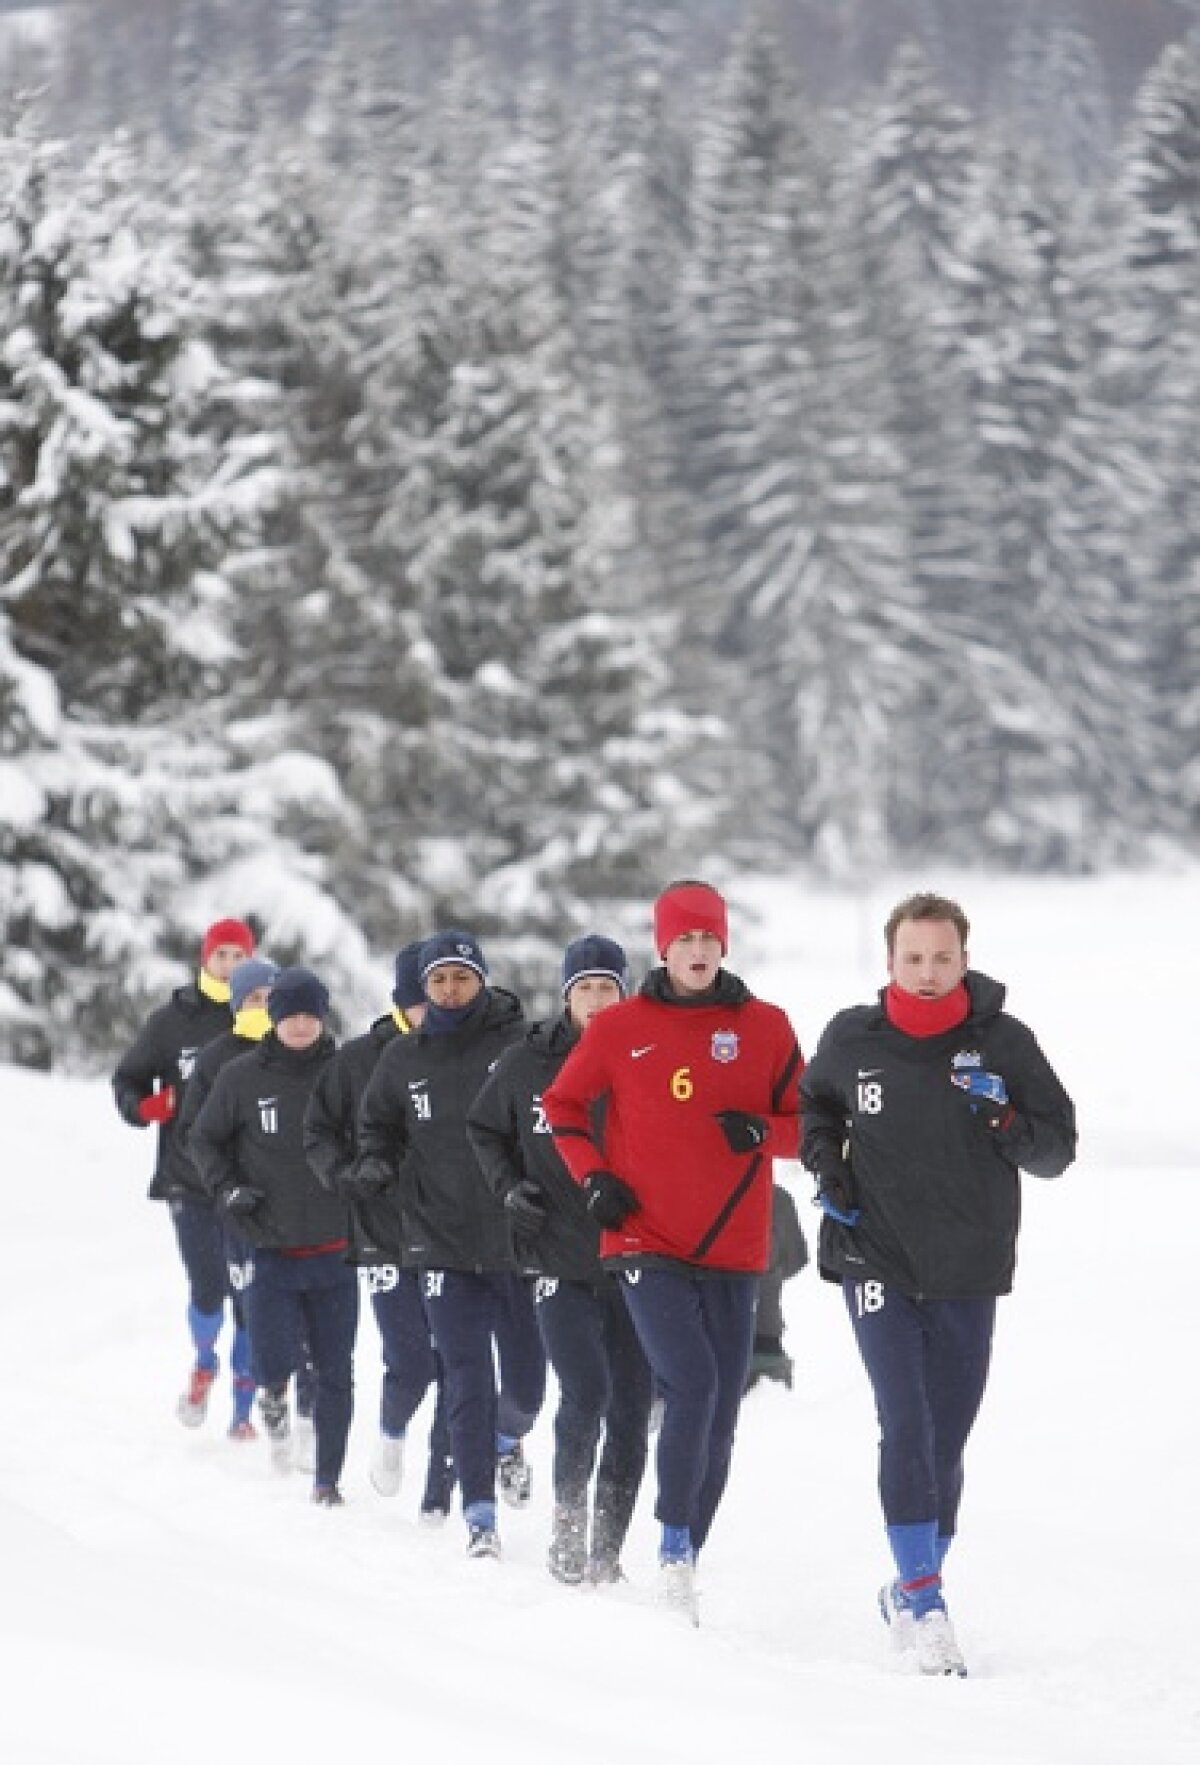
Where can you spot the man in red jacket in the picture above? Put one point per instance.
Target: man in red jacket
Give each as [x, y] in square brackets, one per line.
[698, 1085]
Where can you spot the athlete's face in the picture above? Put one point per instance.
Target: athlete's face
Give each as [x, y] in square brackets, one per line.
[589, 994]
[452, 984]
[298, 1031]
[223, 960]
[692, 960]
[927, 957]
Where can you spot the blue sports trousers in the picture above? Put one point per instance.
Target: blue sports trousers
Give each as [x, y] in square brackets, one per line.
[469, 1313]
[200, 1235]
[411, 1364]
[298, 1305]
[927, 1360]
[604, 1386]
[697, 1331]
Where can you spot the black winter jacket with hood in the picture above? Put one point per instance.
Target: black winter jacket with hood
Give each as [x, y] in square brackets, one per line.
[938, 1189]
[513, 1142]
[165, 1053]
[331, 1142]
[250, 1131]
[412, 1137]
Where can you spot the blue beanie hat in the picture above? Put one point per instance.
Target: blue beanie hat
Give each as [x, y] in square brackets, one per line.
[408, 990]
[248, 977]
[451, 946]
[594, 955]
[295, 991]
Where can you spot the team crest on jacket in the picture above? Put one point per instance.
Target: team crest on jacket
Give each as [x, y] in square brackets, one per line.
[725, 1046]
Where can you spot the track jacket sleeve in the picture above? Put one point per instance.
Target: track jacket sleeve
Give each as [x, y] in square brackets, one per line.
[1041, 1138]
[570, 1105]
[825, 1116]
[382, 1132]
[212, 1143]
[329, 1143]
[494, 1135]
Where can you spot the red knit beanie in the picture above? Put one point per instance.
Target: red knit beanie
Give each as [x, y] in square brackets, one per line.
[226, 931]
[689, 907]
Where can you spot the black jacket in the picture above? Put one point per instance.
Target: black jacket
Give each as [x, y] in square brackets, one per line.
[165, 1053]
[250, 1131]
[412, 1136]
[513, 1142]
[209, 1062]
[330, 1140]
[938, 1189]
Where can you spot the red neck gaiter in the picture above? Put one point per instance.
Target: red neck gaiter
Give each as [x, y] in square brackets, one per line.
[926, 1017]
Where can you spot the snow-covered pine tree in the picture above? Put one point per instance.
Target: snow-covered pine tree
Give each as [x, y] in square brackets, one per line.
[557, 772]
[790, 430]
[1057, 102]
[121, 517]
[1152, 368]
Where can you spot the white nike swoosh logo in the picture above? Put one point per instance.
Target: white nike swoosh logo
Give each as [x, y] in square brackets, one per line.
[636, 1053]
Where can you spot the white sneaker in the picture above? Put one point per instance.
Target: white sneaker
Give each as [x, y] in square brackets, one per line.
[387, 1464]
[304, 1444]
[515, 1477]
[677, 1589]
[897, 1614]
[273, 1407]
[483, 1541]
[938, 1653]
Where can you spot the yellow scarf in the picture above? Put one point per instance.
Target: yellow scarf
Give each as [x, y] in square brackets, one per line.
[252, 1022]
[402, 1023]
[217, 991]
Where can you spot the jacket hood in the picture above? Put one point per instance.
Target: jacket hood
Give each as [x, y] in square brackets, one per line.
[727, 990]
[553, 1036]
[271, 1052]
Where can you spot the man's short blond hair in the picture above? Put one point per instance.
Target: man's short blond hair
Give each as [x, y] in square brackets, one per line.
[926, 905]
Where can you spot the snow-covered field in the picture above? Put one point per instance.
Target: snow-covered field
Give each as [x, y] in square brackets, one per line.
[164, 1600]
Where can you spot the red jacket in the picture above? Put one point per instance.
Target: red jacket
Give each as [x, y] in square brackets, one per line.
[664, 1066]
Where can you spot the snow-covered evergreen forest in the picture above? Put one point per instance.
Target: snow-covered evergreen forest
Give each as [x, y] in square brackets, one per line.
[464, 461]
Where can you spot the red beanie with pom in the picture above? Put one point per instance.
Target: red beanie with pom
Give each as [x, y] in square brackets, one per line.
[689, 907]
[226, 931]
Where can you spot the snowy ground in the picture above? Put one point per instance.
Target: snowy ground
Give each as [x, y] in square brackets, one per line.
[164, 1599]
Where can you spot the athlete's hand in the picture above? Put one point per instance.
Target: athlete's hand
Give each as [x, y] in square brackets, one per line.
[526, 1208]
[743, 1132]
[834, 1198]
[159, 1106]
[241, 1201]
[986, 1093]
[609, 1201]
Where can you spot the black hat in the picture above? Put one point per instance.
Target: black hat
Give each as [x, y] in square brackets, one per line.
[451, 946]
[295, 992]
[594, 955]
[407, 989]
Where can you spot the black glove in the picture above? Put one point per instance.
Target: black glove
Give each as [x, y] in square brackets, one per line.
[367, 1181]
[526, 1208]
[241, 1201]
[609, 1201]
[743, 1132]
[835, 1192]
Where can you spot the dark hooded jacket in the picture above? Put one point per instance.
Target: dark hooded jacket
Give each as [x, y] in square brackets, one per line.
[508, 1129]
[938, 1189]
[250, 1132]
[165, 1053]
[330, 1140]
[412, 1137]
